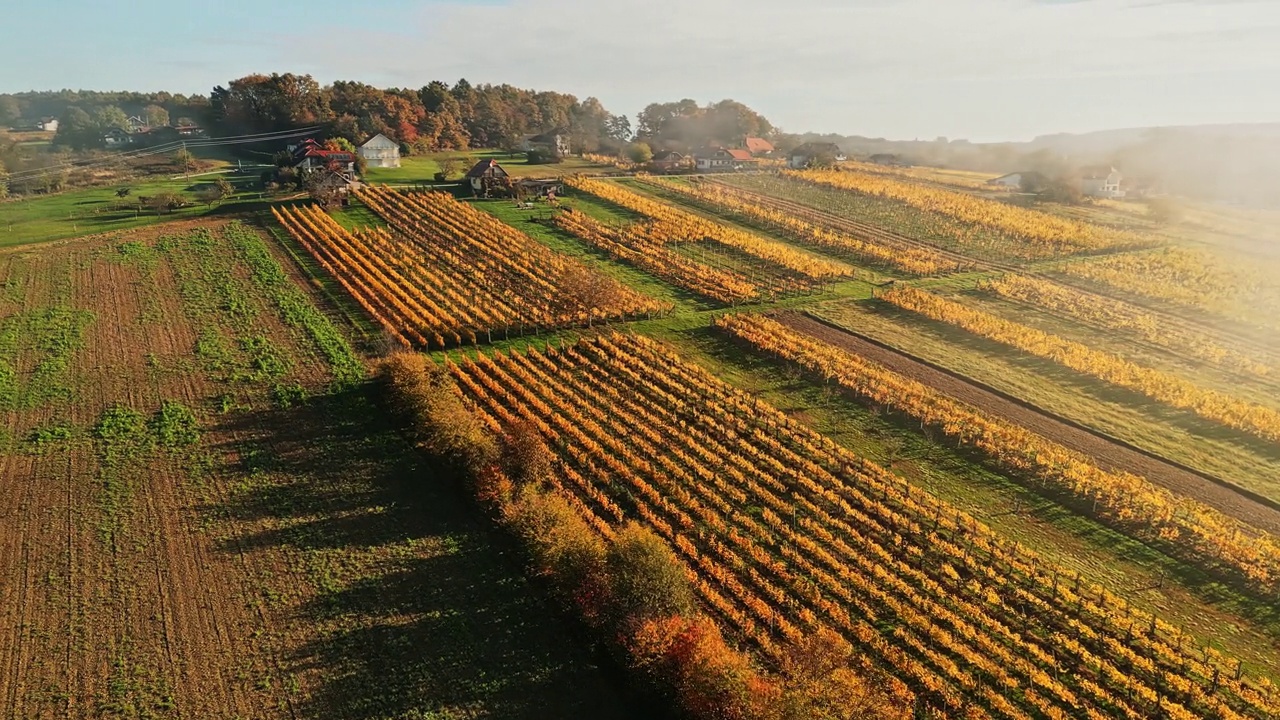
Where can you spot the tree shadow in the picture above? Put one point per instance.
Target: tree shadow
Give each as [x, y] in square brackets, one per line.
[423, 610]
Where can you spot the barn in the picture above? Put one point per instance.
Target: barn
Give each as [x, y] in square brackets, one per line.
[487, 178]
[380, 151]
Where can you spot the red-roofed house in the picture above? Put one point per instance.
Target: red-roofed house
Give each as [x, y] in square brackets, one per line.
[310, 155]
[758, 146]
[721, 159]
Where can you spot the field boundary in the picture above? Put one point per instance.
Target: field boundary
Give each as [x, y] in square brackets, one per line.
[1225, 484]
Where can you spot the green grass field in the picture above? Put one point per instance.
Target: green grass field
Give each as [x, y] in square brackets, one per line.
[420, 169]
[41, 218]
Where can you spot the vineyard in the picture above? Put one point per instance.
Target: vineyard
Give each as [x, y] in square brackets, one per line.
[723, 198]
[1058, 236]
[1203, 535]
[1111, 314]
[644, 246]
[676, 226]
[1190, 279]
[787, 532]
[448, 274]
[1214, 406]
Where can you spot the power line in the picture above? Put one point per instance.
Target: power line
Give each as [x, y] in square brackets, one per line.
[163, 149]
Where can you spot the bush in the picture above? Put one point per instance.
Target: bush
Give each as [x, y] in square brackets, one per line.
[708, 678]
[525, 458]
[645, 577]
[542, 157]
[445, 428]
[564, 547]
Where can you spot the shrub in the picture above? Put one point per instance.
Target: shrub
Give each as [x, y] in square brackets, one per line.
[175, 425]
[646, 579]
[445, 428]
[563, 545]
[708, 678]
[525, 458]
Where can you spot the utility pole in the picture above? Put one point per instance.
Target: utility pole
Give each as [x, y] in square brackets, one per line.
[186, 164]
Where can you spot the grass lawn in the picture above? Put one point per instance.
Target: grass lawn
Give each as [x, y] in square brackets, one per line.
[422, 168]
[41, 218]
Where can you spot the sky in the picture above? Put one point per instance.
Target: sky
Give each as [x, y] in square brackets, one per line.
[985, 70]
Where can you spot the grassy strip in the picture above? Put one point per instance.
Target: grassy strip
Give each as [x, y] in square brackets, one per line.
[296, 309]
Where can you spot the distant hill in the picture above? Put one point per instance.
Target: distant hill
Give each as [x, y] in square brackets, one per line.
[1228, 162]
[1102, 142]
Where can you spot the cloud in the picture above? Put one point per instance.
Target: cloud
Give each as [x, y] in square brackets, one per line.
[978, 68]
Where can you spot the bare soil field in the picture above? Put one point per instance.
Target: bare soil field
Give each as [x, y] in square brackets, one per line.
[202, 515]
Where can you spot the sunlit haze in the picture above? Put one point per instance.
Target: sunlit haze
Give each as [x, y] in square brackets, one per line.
[978, 69]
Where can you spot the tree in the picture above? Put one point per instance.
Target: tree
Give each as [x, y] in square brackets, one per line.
[451, 166]
[110, 117]
[184, 160]
[76, 129]
[164, 202]
[340, 144]
[4, 182]
[220, 190]
[155, 116]
[645, 577]
[618, 127]
[639, 153]
[10, 111]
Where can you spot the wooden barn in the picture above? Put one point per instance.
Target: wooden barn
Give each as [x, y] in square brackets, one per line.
[487, 179]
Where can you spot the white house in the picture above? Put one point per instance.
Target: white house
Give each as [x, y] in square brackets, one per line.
[719, 159]
[804, 156]
[1102, 181]
[381, 151]
[48, 124]
[551, 143]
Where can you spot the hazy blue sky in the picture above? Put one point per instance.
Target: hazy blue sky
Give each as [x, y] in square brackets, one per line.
[981, 69]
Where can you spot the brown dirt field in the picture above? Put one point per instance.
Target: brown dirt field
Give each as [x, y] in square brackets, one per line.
[1107, 454]
[252, 575]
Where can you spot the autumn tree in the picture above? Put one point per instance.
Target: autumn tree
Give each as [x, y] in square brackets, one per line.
[639, 153]
[646, 578]
[184, 159]
[155, 116]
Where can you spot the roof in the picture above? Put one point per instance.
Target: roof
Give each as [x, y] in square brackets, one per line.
[369, 142]
[546, 137]
[483, 167]
[758, 145]
[815, 148]
[668, 156]
[738, 153]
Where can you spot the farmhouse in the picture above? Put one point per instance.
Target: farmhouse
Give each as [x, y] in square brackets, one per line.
[1019, 180]
[1101, 181]
[310, 155]
[48, 124]
[552, 143]
[758, 146]
[889, 159]
[380, 151]
[815, 152]
[721, 159]
[668, 161]
[115, 137]
[487, 176]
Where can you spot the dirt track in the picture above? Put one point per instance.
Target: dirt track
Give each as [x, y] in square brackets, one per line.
[1109, 455]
